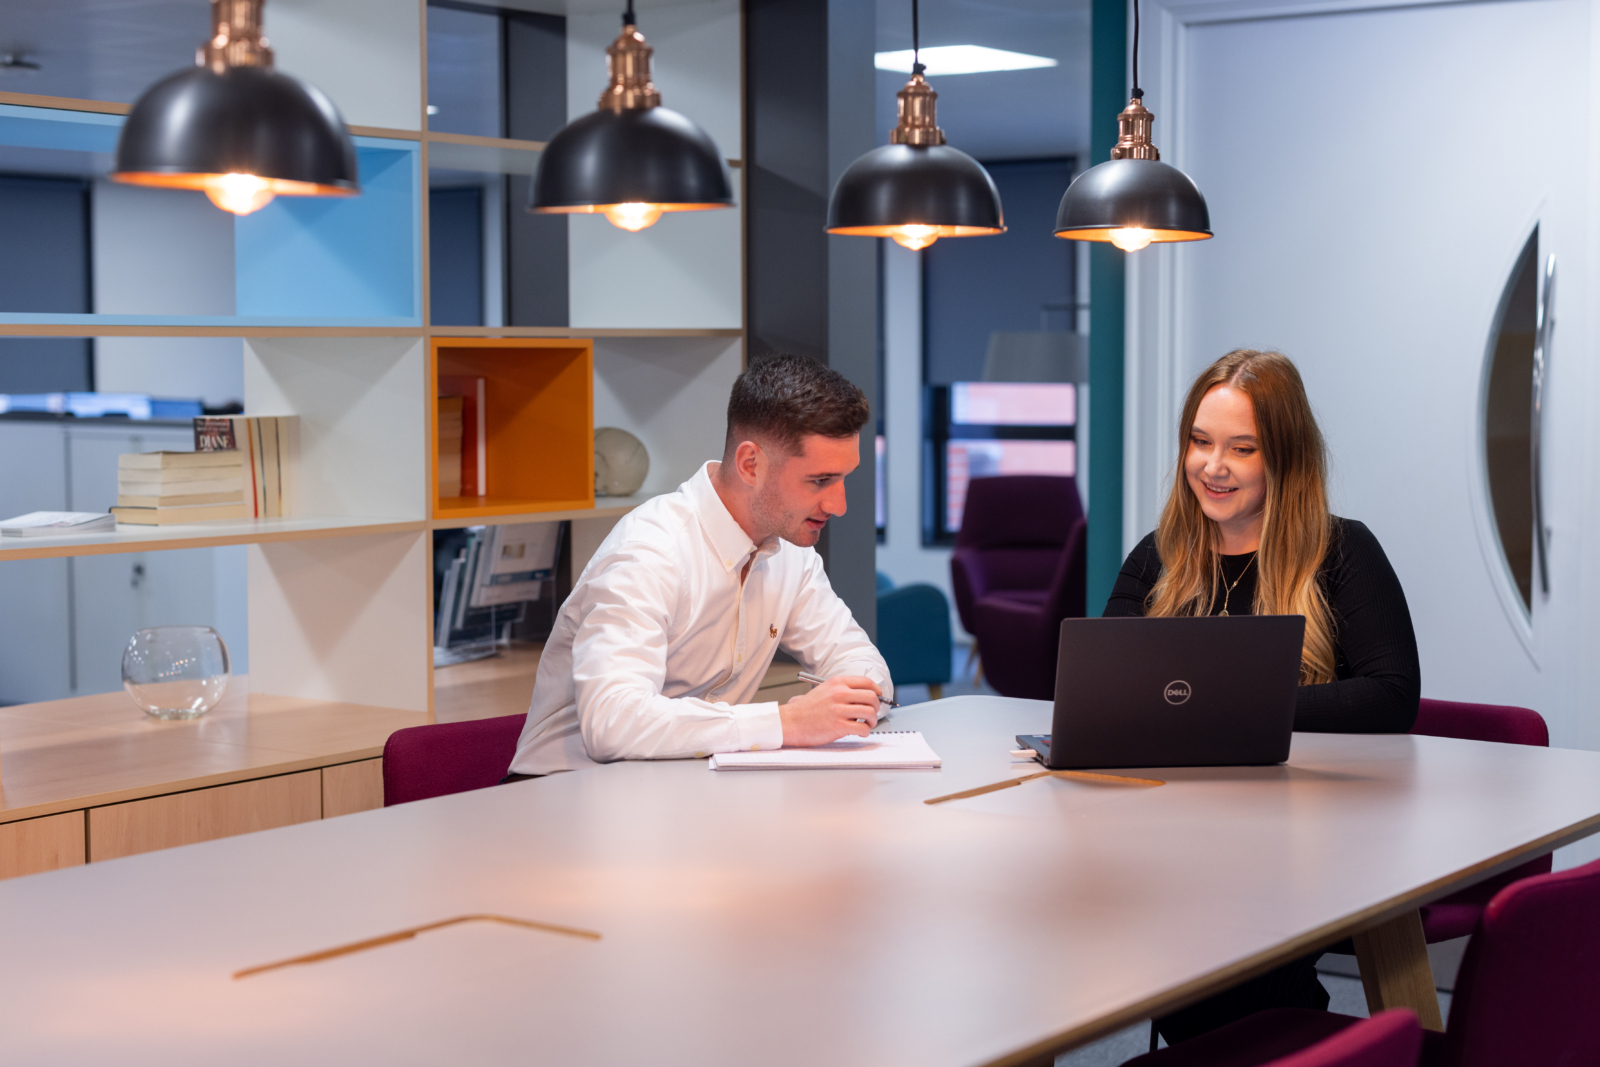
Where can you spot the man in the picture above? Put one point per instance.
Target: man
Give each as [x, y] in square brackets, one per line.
[671, 627]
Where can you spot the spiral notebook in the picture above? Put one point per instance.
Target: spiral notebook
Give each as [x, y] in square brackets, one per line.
[889, 750]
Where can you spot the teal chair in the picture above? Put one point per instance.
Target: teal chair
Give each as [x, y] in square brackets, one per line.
[914, 634]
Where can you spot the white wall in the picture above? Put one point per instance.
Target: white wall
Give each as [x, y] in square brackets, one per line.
[364, 54]
[210, 368]
[683, 272]
[671, 393]
[363, 421]
[902, 555]
[1410, 151]
[163, 252]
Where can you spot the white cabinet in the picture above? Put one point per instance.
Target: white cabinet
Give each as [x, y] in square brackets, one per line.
[65, 622]
[35, 650]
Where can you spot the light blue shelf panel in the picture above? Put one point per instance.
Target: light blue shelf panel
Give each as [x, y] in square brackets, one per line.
[339, 257]
[299, 261]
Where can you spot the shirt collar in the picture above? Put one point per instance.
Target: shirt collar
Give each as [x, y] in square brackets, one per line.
[727, 537]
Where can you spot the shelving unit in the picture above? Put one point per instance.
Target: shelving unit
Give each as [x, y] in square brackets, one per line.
[330, 301]
[538, 420]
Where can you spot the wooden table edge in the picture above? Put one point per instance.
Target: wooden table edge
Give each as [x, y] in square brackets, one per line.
[187, 785]
[1041, 1052]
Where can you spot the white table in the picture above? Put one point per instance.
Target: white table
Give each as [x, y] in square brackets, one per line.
[777, 917]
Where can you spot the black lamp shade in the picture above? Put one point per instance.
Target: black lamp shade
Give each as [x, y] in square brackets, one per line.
[653, 156]
[197, 124]
[1143, 194]
[899, 185]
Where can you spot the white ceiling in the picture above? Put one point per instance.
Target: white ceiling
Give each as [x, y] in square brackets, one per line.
[100, 49]
[1016, 114]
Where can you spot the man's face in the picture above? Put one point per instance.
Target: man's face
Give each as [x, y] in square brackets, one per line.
[800, 493]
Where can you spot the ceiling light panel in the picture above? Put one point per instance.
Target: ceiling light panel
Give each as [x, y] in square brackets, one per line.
[961, 59]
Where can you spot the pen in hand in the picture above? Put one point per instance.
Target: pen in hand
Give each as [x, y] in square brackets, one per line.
[807, 676]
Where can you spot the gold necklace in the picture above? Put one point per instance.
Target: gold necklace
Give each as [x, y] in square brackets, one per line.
[1229, 592]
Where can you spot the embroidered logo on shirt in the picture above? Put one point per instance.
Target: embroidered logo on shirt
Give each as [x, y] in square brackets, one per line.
[773, 630]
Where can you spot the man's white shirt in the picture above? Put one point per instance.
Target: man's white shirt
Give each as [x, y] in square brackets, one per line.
[660, 648]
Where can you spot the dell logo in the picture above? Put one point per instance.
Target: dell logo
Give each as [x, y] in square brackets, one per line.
[1177, 692]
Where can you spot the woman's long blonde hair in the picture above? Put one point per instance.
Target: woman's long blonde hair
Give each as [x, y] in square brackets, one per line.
[1296, 527]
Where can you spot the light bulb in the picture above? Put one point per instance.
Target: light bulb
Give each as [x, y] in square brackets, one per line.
[239, 193]
[1131, 238]
[915, 237]
[632, 217]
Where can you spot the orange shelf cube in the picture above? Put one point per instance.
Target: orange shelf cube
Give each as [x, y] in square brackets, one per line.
[539, 396]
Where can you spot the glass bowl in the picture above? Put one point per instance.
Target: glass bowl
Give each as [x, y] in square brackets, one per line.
[176, 672]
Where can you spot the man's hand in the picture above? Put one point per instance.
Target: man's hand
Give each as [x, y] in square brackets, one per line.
[831, 711]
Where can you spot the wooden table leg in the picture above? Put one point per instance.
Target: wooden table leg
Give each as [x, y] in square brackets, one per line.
[1395, 969]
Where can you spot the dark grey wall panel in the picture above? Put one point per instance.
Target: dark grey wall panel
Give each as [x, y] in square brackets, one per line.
[808, 114]
[455, 256]
[535, 108]
[976, 285]
[44, 231]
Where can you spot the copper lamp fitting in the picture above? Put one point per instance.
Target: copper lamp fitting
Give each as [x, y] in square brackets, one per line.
[916, 125]
[236, 39]
[628, 63]
[1133, 133]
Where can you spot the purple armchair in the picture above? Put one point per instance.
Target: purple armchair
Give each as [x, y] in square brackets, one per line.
[1018, 570]
[1526, 993]
[448, 757]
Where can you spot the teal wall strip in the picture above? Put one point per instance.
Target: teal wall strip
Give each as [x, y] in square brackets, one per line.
[1107, 264]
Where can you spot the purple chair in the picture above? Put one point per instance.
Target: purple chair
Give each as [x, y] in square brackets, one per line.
[1526, 994]
[1013, 528]
[448, 757]
[1018, 569]
[1457, 915]
[1388, 1039]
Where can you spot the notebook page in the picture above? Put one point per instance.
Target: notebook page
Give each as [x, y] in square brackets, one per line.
[889, 750]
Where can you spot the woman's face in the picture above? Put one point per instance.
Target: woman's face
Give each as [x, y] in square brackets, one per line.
[1224, 467]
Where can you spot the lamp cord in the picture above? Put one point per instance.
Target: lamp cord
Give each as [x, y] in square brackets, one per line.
[627, 17]
[916, 42]
[1138, 93]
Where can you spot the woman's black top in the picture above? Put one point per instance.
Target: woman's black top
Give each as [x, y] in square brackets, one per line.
[1375, 649]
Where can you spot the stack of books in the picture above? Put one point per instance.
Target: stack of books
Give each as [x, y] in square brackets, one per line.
[269, 449]
[163, 488]
[450, 427]
[469, 396]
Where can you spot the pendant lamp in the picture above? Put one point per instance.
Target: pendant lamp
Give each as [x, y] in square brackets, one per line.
[1135, 199]
[632, 159]
[235, 128]
[915, 189]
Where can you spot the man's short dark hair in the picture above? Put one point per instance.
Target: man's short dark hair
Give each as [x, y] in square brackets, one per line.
[782, 399]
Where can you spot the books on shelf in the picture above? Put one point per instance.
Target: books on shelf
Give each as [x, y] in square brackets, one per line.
[166, 488]
[163, 516]
[269, 447]
[474, 448]
[450, 429]
[55, 523]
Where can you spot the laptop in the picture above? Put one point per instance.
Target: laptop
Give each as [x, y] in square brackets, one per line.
[1187, 692]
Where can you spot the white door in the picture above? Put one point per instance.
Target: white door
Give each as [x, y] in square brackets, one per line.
[1373, 175]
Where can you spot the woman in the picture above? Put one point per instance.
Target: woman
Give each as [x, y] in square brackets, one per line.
[1246, 530]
